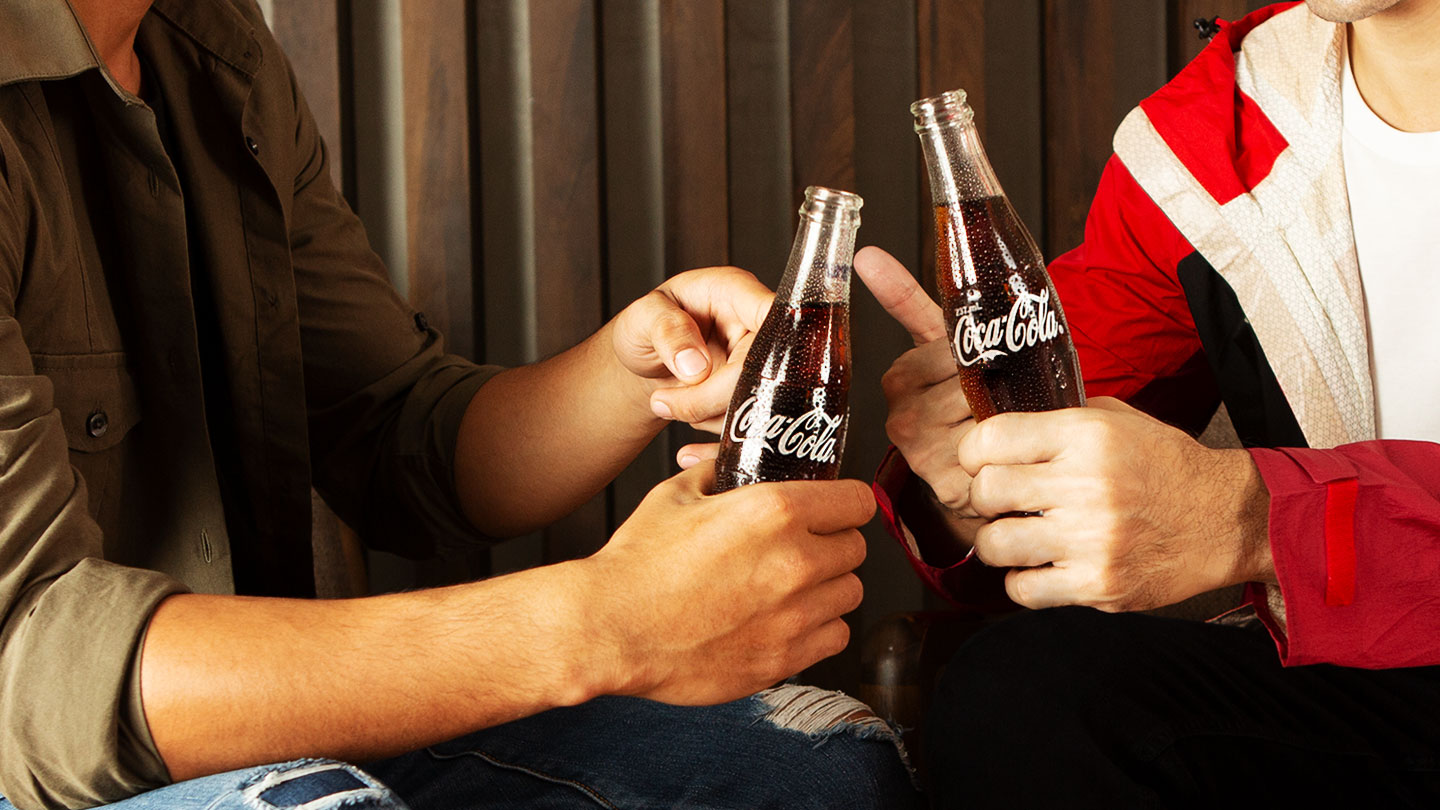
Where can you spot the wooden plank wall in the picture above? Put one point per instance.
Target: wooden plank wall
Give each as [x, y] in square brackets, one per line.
[562, 157]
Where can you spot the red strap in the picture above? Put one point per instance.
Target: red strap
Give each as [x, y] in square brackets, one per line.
[1340, 541]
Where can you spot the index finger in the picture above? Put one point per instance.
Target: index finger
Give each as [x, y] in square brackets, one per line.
[1014, 438]
[827, 507]
[900, 294]
[731, 298]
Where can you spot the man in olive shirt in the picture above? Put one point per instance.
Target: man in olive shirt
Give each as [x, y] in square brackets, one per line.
[193, 330]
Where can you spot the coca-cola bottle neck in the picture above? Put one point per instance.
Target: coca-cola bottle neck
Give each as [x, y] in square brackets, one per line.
[959, 169]
[824, 249]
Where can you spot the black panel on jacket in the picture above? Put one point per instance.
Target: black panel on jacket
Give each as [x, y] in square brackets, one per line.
[1258, 408]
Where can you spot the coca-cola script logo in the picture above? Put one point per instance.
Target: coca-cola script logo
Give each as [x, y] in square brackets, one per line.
[1030, 322]
[808, 437]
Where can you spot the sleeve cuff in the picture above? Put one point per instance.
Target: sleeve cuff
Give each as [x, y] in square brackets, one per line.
[967, 583]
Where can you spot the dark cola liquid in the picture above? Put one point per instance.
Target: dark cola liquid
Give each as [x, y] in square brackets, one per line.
[1007, 331]
[788, 416]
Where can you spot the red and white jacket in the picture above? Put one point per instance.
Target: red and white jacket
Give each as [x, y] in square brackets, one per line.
[1219, 270]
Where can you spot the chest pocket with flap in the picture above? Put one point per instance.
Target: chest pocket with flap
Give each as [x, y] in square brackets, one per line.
[96, 397]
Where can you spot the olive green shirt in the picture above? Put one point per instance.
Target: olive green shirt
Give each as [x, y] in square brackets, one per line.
[110, 499]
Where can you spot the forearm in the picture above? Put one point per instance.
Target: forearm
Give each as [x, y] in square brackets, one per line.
[539, 440]
[229, 682]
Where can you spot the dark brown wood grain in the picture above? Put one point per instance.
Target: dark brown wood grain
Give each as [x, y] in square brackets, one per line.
[757, 91]
[697, 200]
[950, 35]
[1013, 122]
[437, 168]
[1100, 60]
[822, 95]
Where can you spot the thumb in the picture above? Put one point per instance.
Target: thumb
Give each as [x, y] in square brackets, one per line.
[694, 482]
[656, 326]
[692, 454]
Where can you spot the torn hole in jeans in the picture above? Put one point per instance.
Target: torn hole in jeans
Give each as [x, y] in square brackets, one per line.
[820, 714]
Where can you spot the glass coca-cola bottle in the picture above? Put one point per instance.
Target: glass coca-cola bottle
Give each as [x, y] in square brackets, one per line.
[788, 415]
[1007, 331]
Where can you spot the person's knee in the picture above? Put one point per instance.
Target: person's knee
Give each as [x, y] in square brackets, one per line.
[850, 757]
[1035, 670]
[316, 785]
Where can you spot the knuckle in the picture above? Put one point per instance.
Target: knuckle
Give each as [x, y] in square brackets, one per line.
[1019, 590]
[864, 499]
[790, 572]
[675, 324]
[980, 487]
[769, 503]
[790, 625]
[998, 536]
[900, 427]
[776, 504]
[854, 592]
[738, 273]
[898, 381]
[859, 549]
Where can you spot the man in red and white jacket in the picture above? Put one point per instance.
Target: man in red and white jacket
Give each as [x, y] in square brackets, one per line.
[1262, 256]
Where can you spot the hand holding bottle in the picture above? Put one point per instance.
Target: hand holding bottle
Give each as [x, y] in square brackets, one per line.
[684, 341]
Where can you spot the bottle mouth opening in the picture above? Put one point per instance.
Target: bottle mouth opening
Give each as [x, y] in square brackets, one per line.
[945, 109]
[820, 201]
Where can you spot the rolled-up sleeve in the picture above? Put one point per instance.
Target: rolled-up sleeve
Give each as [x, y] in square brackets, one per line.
[72, 730]
[385, 400]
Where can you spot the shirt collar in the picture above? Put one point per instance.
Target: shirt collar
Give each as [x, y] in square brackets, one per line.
[44, 39]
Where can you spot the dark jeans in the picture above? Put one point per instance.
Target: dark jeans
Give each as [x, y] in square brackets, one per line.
[608, 753]
[1077, 708]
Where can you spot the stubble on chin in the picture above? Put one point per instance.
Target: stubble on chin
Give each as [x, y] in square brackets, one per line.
[1348, 11]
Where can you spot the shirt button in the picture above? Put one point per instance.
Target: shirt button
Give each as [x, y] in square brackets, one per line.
[97, 424]
[252, 145]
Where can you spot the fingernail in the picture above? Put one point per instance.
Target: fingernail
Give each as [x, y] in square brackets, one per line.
[690, 363]
[661, 409]
[687, 461]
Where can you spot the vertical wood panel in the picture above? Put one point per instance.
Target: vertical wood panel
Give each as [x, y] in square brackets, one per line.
[950, 55]
[567, 211]
[378, 152]
[887, 154]
[757, 89]
[1013, 125]
[437, 168]
[636, 214]
[822, 95]
[1089, 87]
[697, 202]
[506, 155]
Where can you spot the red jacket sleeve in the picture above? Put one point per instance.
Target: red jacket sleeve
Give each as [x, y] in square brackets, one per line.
[1135, 338]
[1355, 534]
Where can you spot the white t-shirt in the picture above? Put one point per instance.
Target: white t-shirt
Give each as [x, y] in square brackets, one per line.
[1393, 179]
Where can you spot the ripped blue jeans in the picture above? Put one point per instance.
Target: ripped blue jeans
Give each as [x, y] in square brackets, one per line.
[789, 747]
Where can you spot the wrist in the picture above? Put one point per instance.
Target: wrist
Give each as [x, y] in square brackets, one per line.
[1247, 517]
[606, 661]
[633, 389]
